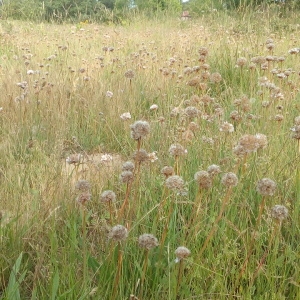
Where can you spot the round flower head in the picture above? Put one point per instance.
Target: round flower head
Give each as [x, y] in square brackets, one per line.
[82, 185]
[203, 179]
[74, 159]
[128, 166]
[296, 132]
[139, 129]
[229, 179]
[108, 196]
[279, 212]
[266, 187]
[215, 77]
[175, 183]
[126, 177]
[83, 198]
[147, 241]
[167, 171]
[182, 253]
[191, 112]
[227, 127]
[118, 233]
[177, 150]
[129, 74]
[242, 61]
[140, 155]
[213, 170]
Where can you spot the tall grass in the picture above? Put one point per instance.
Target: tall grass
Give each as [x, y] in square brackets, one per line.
[56, 108]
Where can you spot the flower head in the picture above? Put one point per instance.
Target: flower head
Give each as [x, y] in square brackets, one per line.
[126, 177]
[108, 196]
[83, 198]
[83, 185]
[167, 171]
[128, 166]
[175, 183]
[229, 179]
[147, 241]
[118, 233]
[203, 179]
[182, 253]
[279, 212]
[139, 129]
[177, 150]
[266, 187]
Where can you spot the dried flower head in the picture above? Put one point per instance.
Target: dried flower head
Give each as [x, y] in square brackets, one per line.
[175, 183]
[82, 185]
[147, 241]
[203, 179]
[167, 171]
[129, 74]
[139, 129]
[177, 150]
[126, 177]
[191, 112]
[296, 132]
[125, 116]
[279, 212]
[213, 170]
[182, 253]
[229, 179]
[266, 187]
[74, 159]
[242, 61]
[108, 196]
[128, 166]
[215, 77]
[227, 127]
[118, 233]
[83, 198]
[140, 156]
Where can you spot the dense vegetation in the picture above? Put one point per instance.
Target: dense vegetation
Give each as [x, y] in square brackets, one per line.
[153, 158]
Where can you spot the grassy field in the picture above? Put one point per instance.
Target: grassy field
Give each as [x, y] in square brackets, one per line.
[153, 160]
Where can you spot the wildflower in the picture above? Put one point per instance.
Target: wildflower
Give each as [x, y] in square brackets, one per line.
[279, 212]
[129, 74]
[109, 94]
[139, 129]
[242, 61]
[108, 196]
[152, 156]
[215, 77]
[147, 241]
[227, 127]
[296, 132]
[128, 166]
[125, 116]
[229, 179]
[191, 112]
[213, 170]
[140, 155]
[167, 171]
[118, 233]
[175, 183]
[154, 107]
[106, 158]
[203, 179]
[126, 177]
[177, 150]
[83, 198]
[83, 185]
[181, 253]
[266, 187]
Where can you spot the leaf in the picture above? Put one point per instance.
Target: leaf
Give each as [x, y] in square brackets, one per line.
[55, 285]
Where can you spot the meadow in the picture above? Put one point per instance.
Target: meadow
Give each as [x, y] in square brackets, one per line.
[153, 160]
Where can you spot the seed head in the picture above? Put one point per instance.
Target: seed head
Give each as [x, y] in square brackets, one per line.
[140, 155]
[167, 171]
[242, 61]
[203, 179]
[191, 112]
[108, 196]
[128, 166]
[126, 177]
[213, 170]
[129, 74]
[147, 241]
[177, 150]
[182, 253]
[82, 185]
[227, 127]
[266, 187]
[83, 198]
[139, 129]
[118, 233]
[74, 159]
[175, 183]
[229, 179]
[279, 212]
[215, 77]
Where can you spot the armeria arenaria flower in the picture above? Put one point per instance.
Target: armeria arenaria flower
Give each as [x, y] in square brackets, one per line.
[296, 132]
[74, 158]
[213, 170]
[227, 127]
[266, 187]
[139, 129]
[108, 196]
[128, 166]
[126, 177]
[191, 112]
[125, 116]
[177, 150]
[129, 74]
[279, 212]
[167, 171]
[140, 155]
[242, 61]
[175, 183]
[83, 185]
[215, 77]
[229, 179]
[83, 198]
[182, 253]
[203, 179]
[118, 233]
[147, 241]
